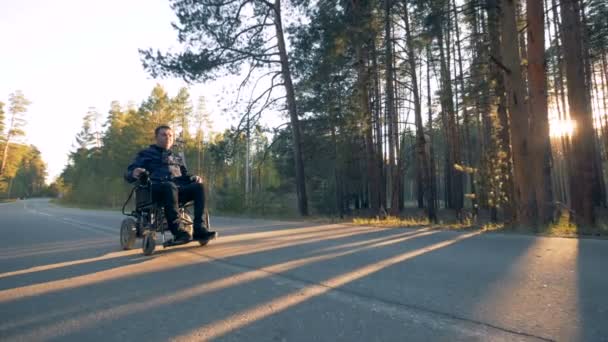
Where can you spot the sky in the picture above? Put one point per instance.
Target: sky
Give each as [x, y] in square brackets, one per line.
[69, 55]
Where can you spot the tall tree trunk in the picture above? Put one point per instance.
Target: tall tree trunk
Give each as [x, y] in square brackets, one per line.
[566, 164]
[518, 115]
[599, 184]
[5, 154]
[560, 54]
[520, 20]
[540, 144]
[7, 143]
[465, 111]
[393, 140]
[581, 180]
[339, 195]
[293, 113]
[599, 189]
[363, 96]
[597, 87]
[400, 157]
[432, 172]
[604, 78]
[247, 163]
[378, 122]
[422, 164]
[455, 190]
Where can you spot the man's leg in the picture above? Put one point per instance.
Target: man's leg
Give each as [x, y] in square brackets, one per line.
[166, 193]
[196, 192]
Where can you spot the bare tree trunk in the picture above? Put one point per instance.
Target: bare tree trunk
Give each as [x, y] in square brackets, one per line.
[399, 156]
[423, 164]
[597, 87]
[520, 19]
[247, 162]
[5, 154]
[539, 123]
[599, 189]
[339, 195]
[7, 144]
[604, 78]
[581, 180]
[377, 115]
[465, 111]
[391, 113]
[560, 53]
[293, 113]
[565, 164]
[518, 110]
[455, 190]
[363, 96]
[598, 145]
[432, 172]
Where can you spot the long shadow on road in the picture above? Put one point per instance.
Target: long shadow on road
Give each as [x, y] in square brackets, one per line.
[592, 284]
[155, 292]
[358, 284]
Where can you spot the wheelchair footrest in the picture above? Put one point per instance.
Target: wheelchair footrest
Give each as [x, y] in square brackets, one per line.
[172, 242]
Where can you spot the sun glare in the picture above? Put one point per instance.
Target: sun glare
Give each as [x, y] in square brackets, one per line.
[560, 128]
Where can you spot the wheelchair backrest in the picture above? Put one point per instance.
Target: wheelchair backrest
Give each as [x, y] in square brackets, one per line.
[143, 197]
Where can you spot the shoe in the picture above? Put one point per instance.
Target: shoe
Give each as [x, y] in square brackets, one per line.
[180, 235]
[204, 235]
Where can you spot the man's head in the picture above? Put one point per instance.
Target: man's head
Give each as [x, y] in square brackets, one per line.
[164, 136]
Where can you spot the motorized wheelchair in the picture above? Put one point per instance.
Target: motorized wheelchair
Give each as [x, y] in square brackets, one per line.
[148, 219]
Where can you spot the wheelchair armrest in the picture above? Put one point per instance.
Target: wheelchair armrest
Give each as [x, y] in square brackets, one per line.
[186, 204]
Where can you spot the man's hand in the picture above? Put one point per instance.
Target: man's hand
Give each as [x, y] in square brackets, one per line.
[138, 171]
[197, 179]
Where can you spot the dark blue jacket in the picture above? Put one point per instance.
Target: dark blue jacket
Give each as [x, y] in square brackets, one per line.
[163, 165]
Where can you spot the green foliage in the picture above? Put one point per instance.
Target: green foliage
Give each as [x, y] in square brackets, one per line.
[17, 109]
[93, 176]
[491, 185]
[24, 173]
[217, 37]
[597, 27]
[30, 176]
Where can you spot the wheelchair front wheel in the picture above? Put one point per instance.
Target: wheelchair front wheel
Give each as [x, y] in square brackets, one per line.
[149, 243]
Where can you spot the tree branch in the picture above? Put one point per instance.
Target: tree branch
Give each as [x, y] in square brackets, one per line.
[500, 65]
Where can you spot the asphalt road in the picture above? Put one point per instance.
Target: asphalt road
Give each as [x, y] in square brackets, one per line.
[63, 277]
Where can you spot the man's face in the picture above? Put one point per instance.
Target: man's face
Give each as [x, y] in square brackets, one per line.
[164, 138]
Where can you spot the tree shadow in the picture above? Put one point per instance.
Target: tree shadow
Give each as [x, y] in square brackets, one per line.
[71, 251]
[379, 284]
[592, 284]
[59, 271]
[242, 287]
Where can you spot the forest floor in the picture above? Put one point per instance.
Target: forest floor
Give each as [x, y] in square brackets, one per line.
[415, 218]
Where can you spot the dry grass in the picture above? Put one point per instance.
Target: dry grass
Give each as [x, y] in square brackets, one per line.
[562, 228]
[411, 222]
[391, 222]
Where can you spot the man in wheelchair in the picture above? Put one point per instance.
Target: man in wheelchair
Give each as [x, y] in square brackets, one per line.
[171, 184]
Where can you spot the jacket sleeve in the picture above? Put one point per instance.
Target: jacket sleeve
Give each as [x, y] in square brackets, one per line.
[139, 161]
[184, 171]
[186, 177]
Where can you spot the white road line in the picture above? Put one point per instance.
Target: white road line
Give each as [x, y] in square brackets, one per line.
[91, 225]
[75, 223]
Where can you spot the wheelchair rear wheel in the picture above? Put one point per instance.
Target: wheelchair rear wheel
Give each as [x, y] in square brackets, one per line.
[128, 230]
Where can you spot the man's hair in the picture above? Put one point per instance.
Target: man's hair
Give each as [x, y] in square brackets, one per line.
[159, 128]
